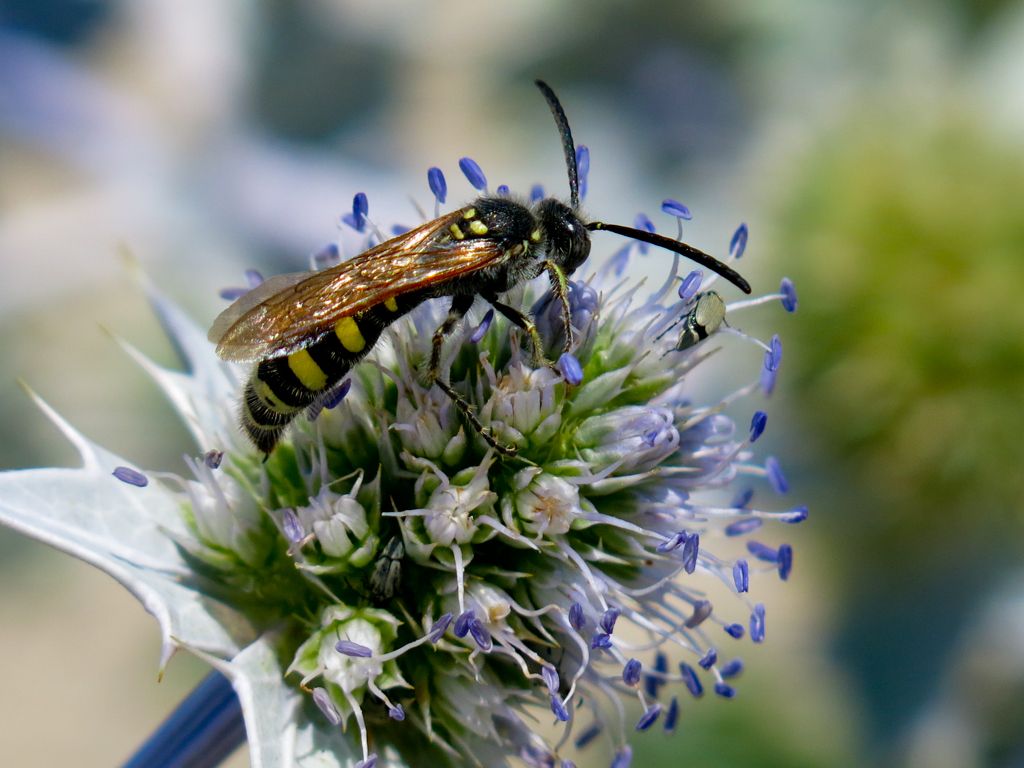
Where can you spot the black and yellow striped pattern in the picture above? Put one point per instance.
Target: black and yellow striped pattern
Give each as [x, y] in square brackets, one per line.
[282, 387]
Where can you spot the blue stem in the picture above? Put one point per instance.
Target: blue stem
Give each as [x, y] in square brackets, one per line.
[203, 731]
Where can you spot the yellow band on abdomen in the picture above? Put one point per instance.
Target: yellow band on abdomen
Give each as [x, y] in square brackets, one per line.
[348, 333]
[307, 371]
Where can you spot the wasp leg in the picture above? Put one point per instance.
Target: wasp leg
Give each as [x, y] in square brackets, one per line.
[460, 306]
[525, 322]
[560, 285]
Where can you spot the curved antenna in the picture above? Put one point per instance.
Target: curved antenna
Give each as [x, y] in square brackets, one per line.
[567, 145]
[676, 246]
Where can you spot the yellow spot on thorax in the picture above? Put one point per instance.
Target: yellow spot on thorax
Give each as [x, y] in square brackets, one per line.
[457, 233]
[477, 227]
[391, 304]
[469, 213]
[535, 235]
[348, 333]
[307, 371]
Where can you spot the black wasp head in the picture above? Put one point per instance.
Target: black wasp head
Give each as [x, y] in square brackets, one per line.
[568, 240]
[568, 237]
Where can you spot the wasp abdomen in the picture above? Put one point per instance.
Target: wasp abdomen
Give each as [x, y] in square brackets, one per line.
[282, 387]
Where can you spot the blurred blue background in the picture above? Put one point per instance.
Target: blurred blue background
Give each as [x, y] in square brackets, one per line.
[875, 149]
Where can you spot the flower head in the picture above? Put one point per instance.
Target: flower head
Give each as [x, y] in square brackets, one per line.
[385, 578]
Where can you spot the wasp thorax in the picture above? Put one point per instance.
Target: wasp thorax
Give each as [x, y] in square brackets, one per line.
[568, 240]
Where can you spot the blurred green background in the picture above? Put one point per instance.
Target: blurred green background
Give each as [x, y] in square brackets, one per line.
[875, 149]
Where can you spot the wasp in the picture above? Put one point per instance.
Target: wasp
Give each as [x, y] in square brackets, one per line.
[305, 331]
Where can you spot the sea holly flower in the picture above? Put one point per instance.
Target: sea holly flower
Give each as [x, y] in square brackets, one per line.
[384, 589]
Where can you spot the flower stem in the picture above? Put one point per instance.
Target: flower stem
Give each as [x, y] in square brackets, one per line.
[203, 730]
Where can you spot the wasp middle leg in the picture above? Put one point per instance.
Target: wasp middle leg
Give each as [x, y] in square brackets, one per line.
[460, 306]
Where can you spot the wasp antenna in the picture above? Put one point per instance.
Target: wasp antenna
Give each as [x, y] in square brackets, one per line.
[676, 246]
[567, 144]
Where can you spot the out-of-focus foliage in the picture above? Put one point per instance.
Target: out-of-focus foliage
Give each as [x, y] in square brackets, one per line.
[905, 234]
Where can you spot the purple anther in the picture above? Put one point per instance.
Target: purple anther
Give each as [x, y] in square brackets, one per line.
[438, 185]
[439, 627]
[707, 661]
[775, 476]
[773, 357]
[788, 291]
[473, 173]
[643, 221]
[690, 680]
[480, 635]
[691, 548]
[763, 552]
[648, 718]
[785, 561]
[582, 167]
[631, 672]
[131, 476]
[743, 526]
[677, 209]
[738, 243]
[757, 425]
[725, 690]
[462, 623]
[292, 526]
[795, 515]
[702, 609]
[742, 498]
[690, 285]
[741, 575]
[333, 400]
[322, 699]
[577, 617]
[559, 709]
[570, 368]
[757, 623]
[550, 675]
[623, 758]
[671, 715]
[735, 631]
[608, 619]
[356, 650]
[673, 542]
[588, 735]
[731, 668]
[360, 207]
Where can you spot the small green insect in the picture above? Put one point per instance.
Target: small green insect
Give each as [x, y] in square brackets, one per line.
[705, 316]
[386, 576]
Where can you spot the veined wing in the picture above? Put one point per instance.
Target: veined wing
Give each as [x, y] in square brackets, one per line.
[288, 312]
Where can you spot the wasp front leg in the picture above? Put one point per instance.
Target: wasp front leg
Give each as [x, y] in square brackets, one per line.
[560, 287]
[460, 306]
[524, 322]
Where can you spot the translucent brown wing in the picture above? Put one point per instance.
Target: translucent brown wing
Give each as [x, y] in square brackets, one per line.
[289, 312]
